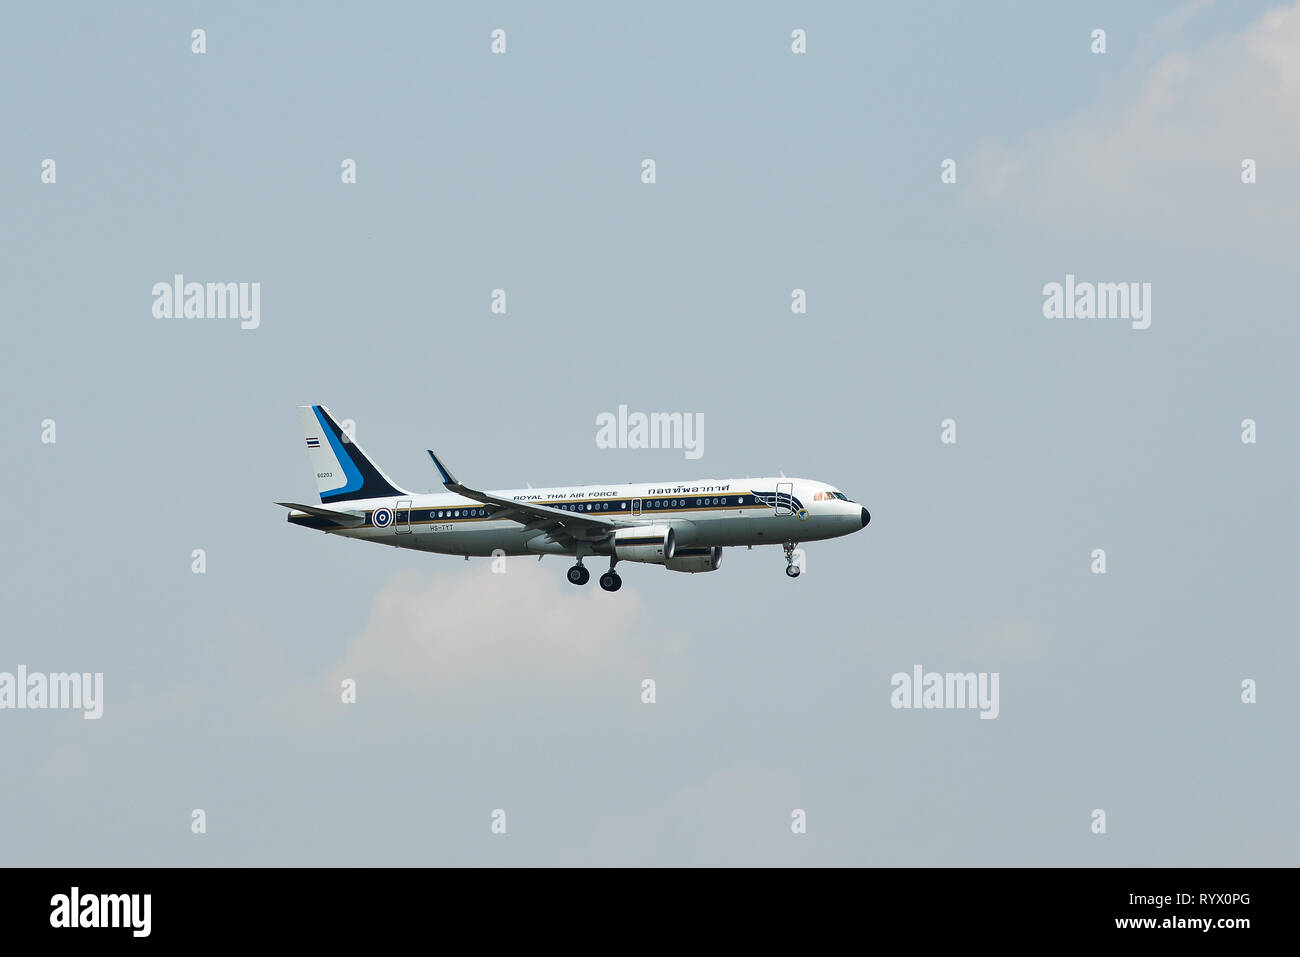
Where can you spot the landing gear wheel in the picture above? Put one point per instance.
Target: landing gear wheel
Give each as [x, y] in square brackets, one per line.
[791, 568]
[579, 575]
[610, 582]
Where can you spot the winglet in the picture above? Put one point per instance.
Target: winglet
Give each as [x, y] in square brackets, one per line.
[447, 477]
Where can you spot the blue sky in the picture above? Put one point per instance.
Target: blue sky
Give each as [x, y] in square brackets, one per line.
[774, 172]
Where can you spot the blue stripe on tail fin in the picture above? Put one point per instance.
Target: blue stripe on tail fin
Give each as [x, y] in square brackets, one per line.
[363, 479]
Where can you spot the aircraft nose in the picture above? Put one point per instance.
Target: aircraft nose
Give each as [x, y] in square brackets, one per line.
[866, 517]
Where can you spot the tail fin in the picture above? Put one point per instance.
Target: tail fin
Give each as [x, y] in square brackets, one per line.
[342, 470]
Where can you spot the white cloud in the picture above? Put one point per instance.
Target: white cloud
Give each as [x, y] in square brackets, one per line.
[458, 634]
[1166, 159]
[453, 639]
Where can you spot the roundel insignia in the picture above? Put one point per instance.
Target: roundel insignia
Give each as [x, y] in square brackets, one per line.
[383, 517]
[802, 515]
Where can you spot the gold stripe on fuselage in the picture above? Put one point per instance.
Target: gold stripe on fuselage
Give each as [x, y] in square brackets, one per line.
[556, 503]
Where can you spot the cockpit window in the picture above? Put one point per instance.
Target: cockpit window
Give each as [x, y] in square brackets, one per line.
[830, 496]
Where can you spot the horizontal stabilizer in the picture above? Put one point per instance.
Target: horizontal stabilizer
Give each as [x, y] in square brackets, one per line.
[346, 519]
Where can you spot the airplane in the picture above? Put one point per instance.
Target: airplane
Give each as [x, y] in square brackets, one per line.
[681, 526]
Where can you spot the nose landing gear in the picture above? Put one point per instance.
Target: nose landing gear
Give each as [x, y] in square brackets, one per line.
[791, 568]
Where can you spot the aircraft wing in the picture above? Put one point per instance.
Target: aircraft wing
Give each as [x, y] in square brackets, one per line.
[560, 525]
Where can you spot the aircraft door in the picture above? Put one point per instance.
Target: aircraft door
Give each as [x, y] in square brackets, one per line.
[402, 517]
[784, 498]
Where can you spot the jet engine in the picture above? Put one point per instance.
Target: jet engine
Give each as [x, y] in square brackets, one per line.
[695, 560]
[645, 543]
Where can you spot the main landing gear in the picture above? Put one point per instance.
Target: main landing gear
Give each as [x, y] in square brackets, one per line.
[610, 581]
[791, 568]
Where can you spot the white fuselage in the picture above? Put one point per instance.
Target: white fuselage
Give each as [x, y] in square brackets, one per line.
[705, 513]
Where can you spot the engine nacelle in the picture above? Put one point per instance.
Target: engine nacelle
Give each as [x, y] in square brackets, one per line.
[655, 544]
[695, 560]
